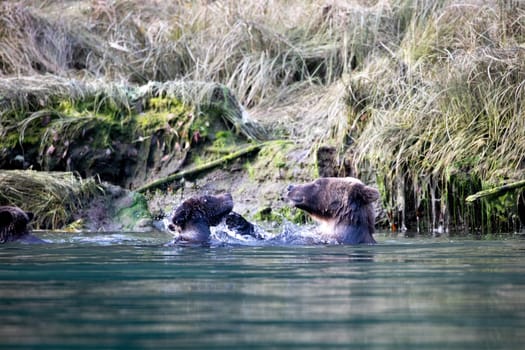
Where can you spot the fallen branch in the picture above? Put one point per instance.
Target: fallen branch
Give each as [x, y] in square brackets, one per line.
[496, 191]
[198, 169]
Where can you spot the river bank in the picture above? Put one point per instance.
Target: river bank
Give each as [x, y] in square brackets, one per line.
[422, 100]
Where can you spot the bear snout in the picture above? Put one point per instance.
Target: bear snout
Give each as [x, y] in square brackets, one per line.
[294, 194]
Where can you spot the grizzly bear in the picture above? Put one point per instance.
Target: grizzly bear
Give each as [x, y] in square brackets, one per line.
[195, 215]
[13, 225]
[343, 206]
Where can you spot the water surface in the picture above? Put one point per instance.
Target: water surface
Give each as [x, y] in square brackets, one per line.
[129, 291]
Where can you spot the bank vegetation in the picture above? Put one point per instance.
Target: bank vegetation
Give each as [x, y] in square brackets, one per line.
[422, 97]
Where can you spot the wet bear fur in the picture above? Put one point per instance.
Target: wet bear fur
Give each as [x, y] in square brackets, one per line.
[343, 207]
[195, 215]
[237, 224]
[14, 224]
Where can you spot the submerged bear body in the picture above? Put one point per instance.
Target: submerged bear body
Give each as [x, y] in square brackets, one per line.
[195, 215]
[343, 207]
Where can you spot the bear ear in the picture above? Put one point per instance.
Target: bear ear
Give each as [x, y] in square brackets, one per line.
[370, 194]
[364, 193]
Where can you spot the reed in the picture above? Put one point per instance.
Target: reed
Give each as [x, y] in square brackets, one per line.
[451, 115]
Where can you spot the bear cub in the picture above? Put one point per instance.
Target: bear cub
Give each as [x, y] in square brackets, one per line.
[194, 217]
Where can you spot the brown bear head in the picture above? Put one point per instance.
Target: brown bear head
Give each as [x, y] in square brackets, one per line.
[195, 216]
[342, 205]
[13, 223]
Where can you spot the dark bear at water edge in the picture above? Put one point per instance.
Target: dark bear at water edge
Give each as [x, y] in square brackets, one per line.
[195, 215]
[14, 225]
[343, 207]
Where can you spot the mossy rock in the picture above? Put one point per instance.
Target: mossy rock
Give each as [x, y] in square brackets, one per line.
[116, 209]
[133, 214]
[281, 215]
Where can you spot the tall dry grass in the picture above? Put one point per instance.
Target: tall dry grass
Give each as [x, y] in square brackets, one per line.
[52, 197]
[262, 51]
[447, 110]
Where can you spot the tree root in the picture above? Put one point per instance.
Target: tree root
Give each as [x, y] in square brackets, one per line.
[201, 168]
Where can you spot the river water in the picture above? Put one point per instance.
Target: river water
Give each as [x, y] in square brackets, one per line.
[129, 291]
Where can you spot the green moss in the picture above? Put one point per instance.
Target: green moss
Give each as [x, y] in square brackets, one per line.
[67, 107]
[272, 162]
[152, 121]
[129, 216]
[167, 104]
[111, 121]
[282, 214]
[101, 120]
[100, 105]
[201, 127]
[498, 213]
[224, 139]
[251, 170]
[9, 140]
